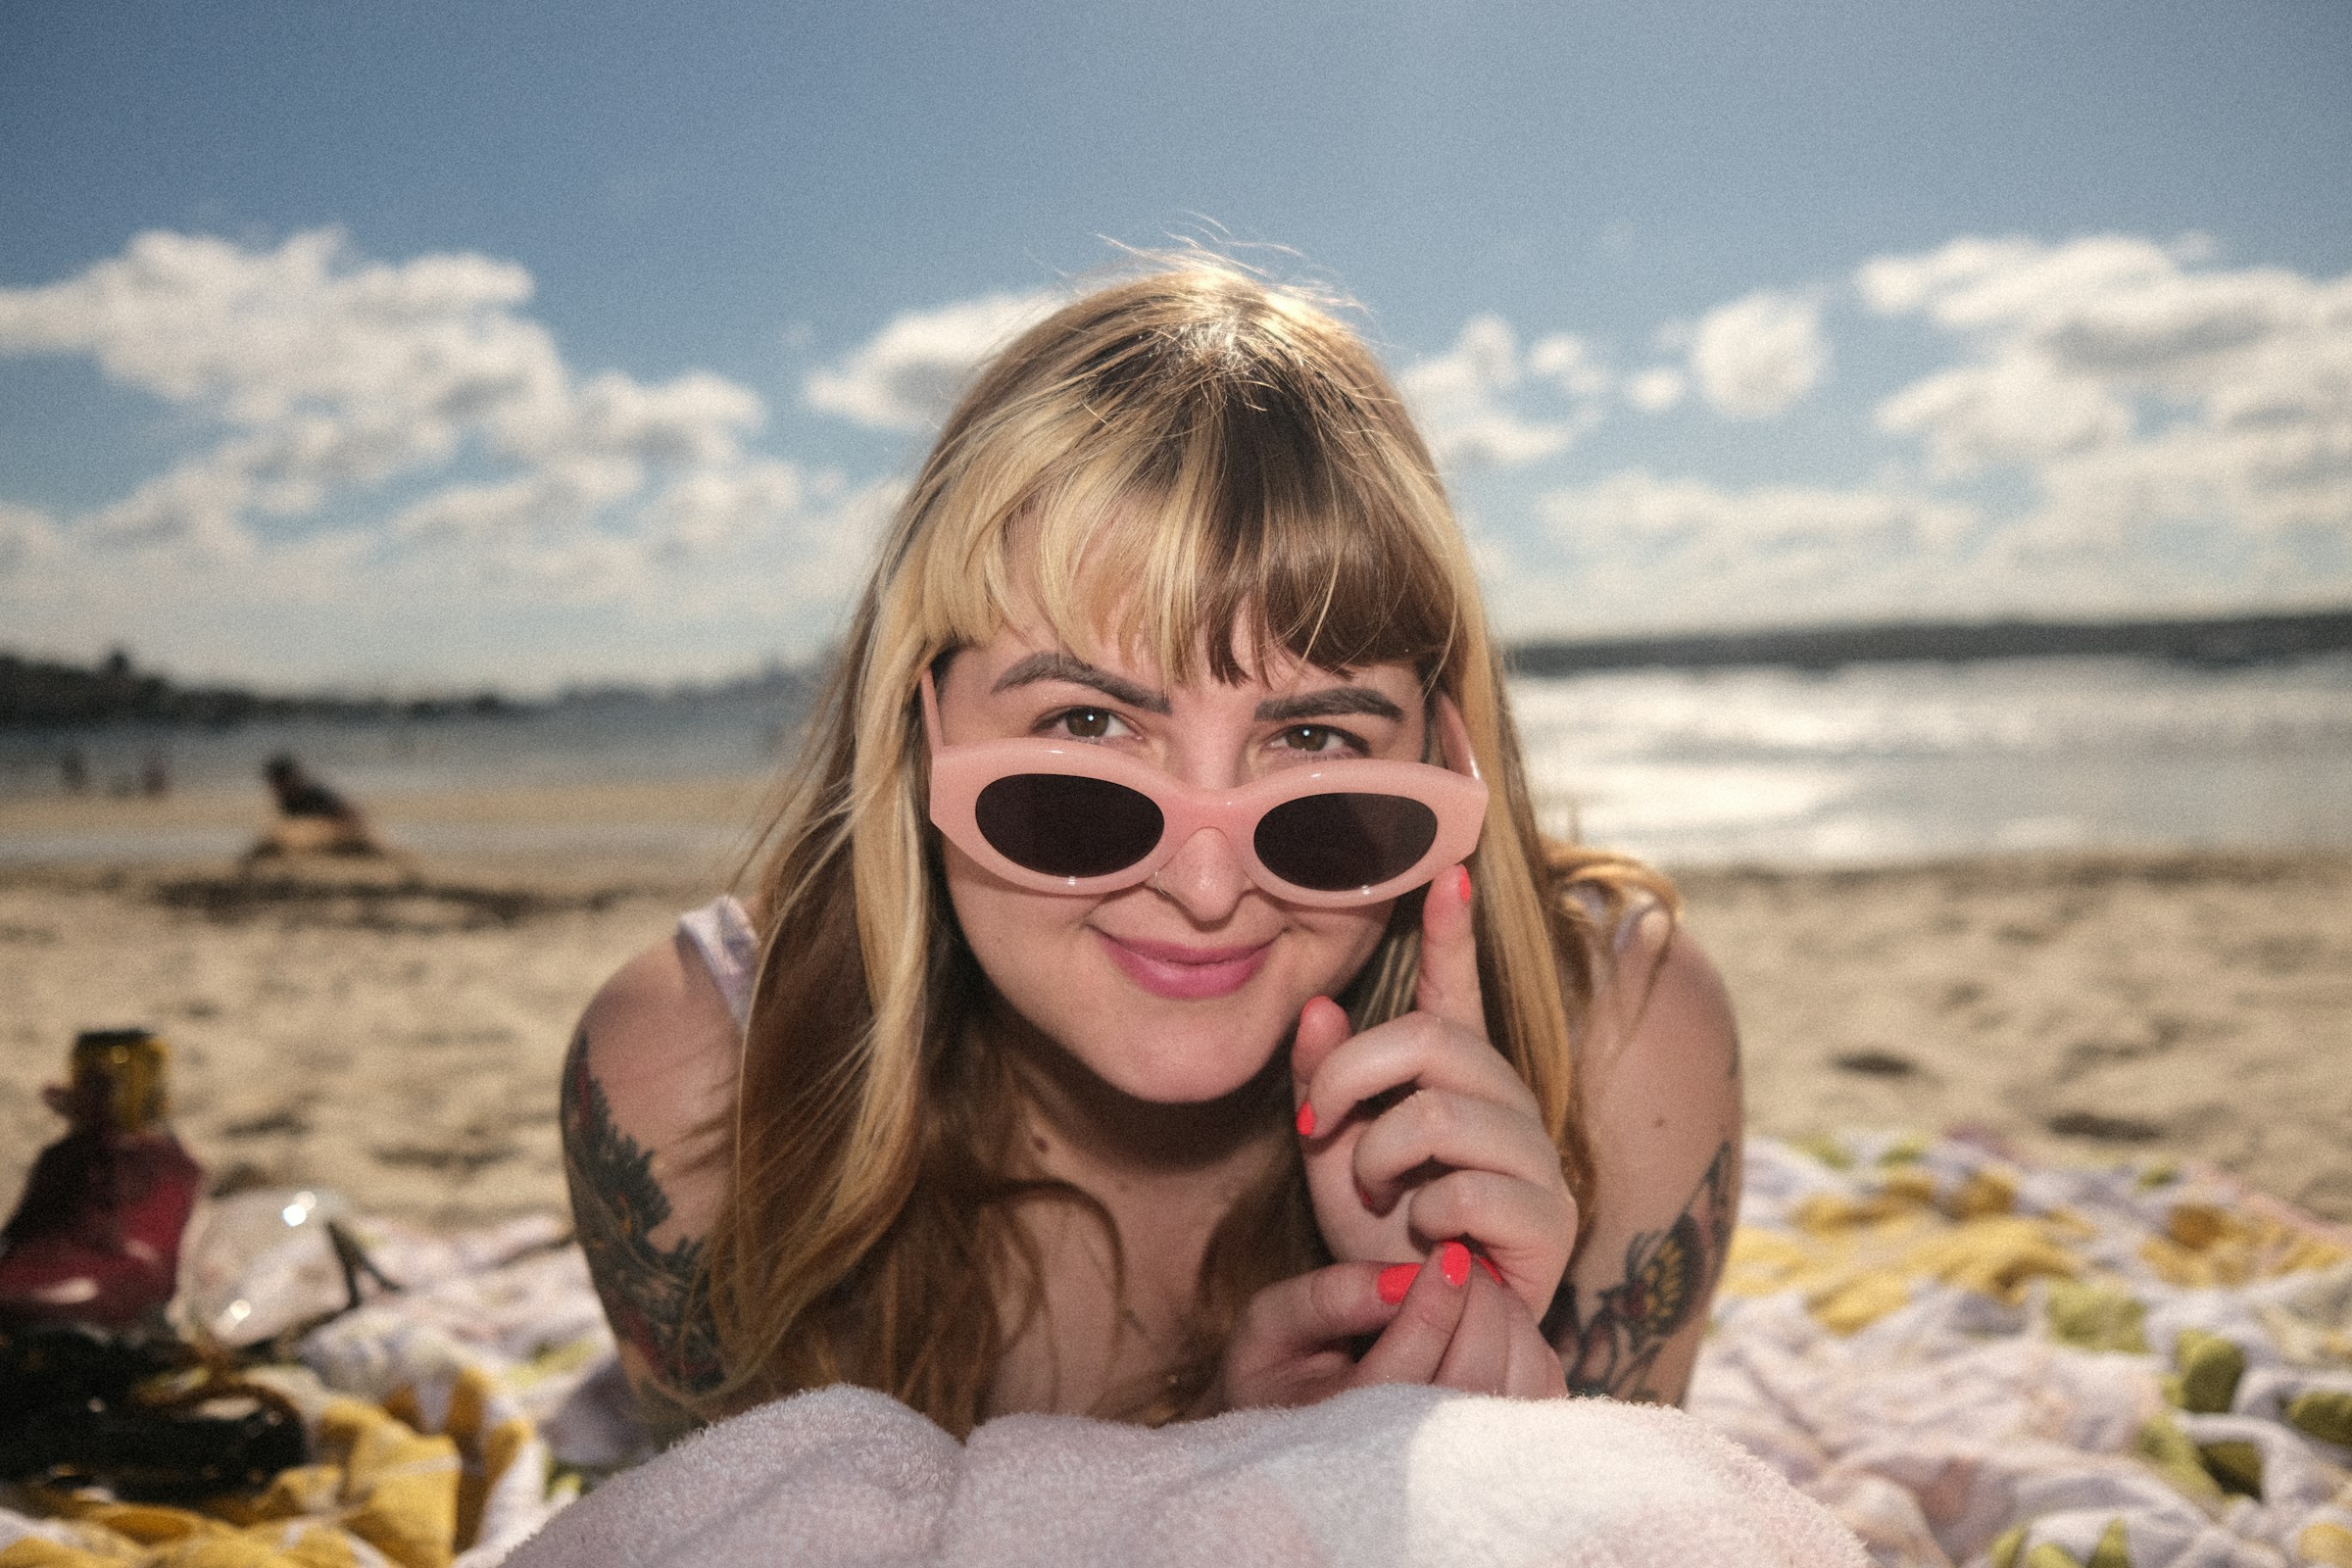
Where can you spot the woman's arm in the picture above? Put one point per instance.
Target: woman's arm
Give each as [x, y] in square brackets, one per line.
[1662, 1109]
[648, 1086]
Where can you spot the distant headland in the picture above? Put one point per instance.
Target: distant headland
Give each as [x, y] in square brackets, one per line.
[42, 694]
[2217, 642]
[46, 694]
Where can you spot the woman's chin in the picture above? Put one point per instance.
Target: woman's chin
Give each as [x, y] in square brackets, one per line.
[1097, 1033]
[1198, 1056]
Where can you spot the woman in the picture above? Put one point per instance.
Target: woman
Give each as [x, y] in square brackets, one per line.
[1130, 1025]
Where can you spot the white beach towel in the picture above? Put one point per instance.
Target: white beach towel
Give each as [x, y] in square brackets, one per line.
[1379, 1476]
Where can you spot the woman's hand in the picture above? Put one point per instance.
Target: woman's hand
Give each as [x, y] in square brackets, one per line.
[1441, 1322]
[1418, 1132]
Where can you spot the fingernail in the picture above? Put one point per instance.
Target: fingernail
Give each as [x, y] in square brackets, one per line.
[1461, 882]
[1453, 1261]
[1306, 1118]
[1487, 1263]
[1395, 1280]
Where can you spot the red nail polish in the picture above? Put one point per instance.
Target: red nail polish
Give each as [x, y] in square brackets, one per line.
[1487, 1263]
[1453, 1261]
[1461, 882]
[1395, 1280]
[1306, 1118]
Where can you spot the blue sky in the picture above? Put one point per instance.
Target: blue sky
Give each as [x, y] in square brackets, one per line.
[409, 345]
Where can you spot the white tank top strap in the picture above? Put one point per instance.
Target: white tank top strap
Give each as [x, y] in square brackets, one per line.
[1637, 905]
[723, 938]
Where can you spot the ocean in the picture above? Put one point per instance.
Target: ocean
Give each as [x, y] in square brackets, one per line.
[1877, 763]
[1859, 765]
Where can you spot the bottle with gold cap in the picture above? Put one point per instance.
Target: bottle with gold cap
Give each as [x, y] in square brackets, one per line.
[95, 1239]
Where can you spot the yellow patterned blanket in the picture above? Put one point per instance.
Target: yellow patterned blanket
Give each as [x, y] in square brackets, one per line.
[1969, 1359]
[1973, 1360]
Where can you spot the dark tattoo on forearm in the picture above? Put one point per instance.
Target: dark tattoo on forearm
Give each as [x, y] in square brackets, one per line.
[1669, 1275]
[656, 1298]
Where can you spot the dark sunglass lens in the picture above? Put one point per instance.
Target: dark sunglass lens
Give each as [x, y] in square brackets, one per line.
[1066, 825]
[1332, 842]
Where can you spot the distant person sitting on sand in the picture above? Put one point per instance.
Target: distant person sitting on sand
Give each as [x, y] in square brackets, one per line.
[312, 820]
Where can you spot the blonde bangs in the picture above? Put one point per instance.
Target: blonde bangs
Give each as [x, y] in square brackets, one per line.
[1206, 528]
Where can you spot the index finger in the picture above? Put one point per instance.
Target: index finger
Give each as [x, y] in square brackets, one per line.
[1447, 986]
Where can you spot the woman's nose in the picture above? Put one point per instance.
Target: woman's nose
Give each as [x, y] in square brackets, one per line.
[1205, 878]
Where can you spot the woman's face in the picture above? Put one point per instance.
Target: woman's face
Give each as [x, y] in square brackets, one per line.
[1178, 990]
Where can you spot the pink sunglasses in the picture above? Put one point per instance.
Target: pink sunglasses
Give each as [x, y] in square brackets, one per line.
[1064, 816]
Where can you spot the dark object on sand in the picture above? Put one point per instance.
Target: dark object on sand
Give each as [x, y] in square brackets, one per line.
[312, 820]
[142, 1414]
[1876, 1063]
[95, 1239]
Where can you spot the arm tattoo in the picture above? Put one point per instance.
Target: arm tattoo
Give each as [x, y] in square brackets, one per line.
[1669, 1275]
[656, 1298]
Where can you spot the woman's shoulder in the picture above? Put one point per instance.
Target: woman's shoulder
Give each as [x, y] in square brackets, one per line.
[1659, 1076]
[659, 1016]
[646, 1106]
[653, 1067]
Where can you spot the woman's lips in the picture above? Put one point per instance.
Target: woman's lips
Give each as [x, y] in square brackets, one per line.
[1172, 969]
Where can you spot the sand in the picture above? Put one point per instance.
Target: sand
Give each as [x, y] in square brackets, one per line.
[2079, 1008]
[395, 1034]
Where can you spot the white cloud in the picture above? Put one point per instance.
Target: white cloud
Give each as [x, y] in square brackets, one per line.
[27, 539]
[1567, 361]
[2137, 389]
[1635, 550]
[1682, 514]
[1755, 355]
[1655, 389]
[1463, 399]
[908, 376]
[380, 431]
[399, 445]
[2167, 435]
[2015, 410]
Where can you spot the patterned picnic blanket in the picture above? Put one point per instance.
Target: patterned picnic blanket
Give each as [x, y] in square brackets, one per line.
[1973, 1360]
[1969, 1359]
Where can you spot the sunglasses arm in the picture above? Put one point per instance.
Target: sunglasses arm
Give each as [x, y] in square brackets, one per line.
[1454, 736]
[932, 732]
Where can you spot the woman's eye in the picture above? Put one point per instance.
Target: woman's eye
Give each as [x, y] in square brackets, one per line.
[1316, 738]
[1085, 723]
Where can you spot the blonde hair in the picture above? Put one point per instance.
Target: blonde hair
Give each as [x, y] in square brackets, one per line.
[1201, 466]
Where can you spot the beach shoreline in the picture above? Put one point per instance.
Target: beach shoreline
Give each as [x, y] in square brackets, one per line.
[395, 1033]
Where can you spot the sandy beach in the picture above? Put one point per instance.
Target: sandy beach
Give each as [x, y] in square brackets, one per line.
[394, 1033]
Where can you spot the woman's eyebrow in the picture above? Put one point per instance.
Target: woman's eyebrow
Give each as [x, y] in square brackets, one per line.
[1078, 672]
[1329, 704]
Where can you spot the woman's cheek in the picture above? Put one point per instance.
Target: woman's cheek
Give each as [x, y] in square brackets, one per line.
[1344, 943]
